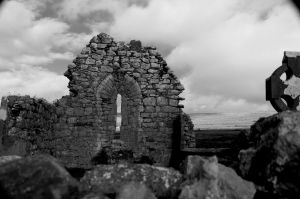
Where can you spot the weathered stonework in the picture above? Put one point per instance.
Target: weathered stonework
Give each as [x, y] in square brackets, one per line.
[28, 128]
[79, 125]
[189, 137]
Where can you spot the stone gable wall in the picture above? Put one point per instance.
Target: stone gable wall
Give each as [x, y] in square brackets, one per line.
[85, 121]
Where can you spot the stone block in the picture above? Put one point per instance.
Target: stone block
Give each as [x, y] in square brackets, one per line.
[170, 109]
[90, 61]
[97, 57]
[93, 46]
[105, 68]
[106, 40]
[72, 120]
[179, 87]
[95, 39]
[149, 125]
[84, 66]
[86, 50]
[136, 75]
[70, 111]
[154, 65]
[174, 92]
[145, 60]
[149, 101]
[149, 109]
[152, 71]
[88, 111]
[162, 101]
[166, 81]
[153, 60]
[111, 53]
[101, 52]
[153, 52]
[145, 66]
[173, 102]
[101, 46]
[82, 56]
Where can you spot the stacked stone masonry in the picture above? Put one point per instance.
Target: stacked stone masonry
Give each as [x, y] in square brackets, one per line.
[82, 123]
[28, 128]
[189, 137]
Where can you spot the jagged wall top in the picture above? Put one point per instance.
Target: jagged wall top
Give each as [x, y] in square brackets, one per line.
[103, 56]
[84, 122]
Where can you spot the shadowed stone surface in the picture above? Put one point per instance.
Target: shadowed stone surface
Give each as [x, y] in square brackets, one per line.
[273, 160]
[164, 182]
[8, 158]
[94, 195]
[205, 178]
[135, 190]
[36, 177]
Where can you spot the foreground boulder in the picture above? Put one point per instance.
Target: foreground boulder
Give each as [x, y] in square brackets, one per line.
[96, 194]
[164, 182]
[273, 160]
[135, 190]
[205, 178]
[8, 158]
[36, 177]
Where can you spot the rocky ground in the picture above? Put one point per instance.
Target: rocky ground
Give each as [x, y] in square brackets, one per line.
[44, 177]
[269, 168]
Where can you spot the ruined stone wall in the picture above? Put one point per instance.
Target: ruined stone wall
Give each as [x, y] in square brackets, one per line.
[76, 127]
[28, 127]
[189, 137]
[150, 98]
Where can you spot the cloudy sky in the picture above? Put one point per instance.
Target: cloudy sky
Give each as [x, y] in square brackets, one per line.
[222, 50]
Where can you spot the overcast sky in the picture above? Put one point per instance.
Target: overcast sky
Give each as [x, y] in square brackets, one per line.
[222, 50]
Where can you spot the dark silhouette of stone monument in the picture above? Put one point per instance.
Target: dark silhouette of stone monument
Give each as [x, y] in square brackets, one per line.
[283, 86]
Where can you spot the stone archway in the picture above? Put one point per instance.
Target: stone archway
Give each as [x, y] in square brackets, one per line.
[106, 94]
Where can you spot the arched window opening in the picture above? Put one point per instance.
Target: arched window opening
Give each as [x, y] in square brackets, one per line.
[119, 114]
[118, 106]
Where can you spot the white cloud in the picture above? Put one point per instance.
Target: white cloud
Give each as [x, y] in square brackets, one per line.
[26, 39]
[29, 42]
[33, 81]
[73, 9]
[205, 103]
[223, 51]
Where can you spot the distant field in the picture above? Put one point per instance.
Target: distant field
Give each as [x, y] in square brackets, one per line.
[226, 120]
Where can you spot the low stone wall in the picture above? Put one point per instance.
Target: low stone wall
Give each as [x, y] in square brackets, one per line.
[28, 126]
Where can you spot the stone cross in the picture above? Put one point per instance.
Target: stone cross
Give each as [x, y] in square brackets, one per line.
[283, 86]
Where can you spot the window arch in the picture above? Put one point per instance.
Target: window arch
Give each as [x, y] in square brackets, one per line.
[130, 93]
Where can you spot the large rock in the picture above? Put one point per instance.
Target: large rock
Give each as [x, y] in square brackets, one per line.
[8, 158]
[164, 182]
[205, 178]
[273, 160]
[135, 190]
[36, 177]
[96, 194]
